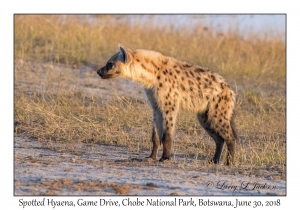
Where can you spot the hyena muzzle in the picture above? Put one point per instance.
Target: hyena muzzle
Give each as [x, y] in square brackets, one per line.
[170, 85]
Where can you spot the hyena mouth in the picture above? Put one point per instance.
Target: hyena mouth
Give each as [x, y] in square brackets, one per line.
[103, 75]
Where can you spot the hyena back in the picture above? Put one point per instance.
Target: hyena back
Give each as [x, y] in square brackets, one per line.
[170, 85]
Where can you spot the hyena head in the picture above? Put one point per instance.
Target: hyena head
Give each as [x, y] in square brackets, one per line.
[116, 65]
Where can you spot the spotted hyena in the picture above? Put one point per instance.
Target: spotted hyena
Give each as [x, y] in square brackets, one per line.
[171, 84]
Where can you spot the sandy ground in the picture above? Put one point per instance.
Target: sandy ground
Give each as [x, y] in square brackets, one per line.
[49, 168]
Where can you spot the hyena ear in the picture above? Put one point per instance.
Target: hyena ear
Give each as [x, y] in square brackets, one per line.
[123, 53]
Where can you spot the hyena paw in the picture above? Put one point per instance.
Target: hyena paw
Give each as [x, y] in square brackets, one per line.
[150, 157]
[214, 161]
[164, 159]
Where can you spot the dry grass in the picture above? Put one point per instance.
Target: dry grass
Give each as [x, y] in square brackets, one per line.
[53, 99]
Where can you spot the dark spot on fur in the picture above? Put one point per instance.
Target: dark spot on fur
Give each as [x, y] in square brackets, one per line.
[182, 87]
[174, 66]
[187, 75]
[199, 70]
[167, 122]
[207, 97]
[171, 118]
[165, 61]
[154, 65]
[219, 99]
[172, 108]
[147, 60]
[191, 89]
[172, 124]
[192, 74]
[143, 66]
[166, 104]
[170, 103]
[118, 72]
[170, 73]
[177, 71]
[167, 112]
[175, 77]
[158, 77]
[137, 60]
[160, 85]
[216, 106]
[182, 78]
[206, 80]
[213, 77]
[166, 79]
[198, 78]
[190, 82]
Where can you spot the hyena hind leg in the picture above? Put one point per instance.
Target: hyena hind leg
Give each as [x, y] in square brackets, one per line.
[216, 137]
[219, 136]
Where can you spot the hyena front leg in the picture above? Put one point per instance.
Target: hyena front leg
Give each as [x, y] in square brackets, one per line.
[169, 115]
[156, 133]
[157, 128]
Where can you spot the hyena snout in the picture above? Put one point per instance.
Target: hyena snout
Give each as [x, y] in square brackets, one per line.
[103, 73]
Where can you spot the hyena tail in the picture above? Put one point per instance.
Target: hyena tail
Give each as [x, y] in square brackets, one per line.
[234, 132]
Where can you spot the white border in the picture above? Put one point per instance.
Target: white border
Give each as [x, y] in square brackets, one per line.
[8, 8]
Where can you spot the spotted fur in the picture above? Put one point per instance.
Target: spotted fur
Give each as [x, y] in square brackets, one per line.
[171, 85]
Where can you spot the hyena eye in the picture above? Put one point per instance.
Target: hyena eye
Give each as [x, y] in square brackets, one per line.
[109, 65]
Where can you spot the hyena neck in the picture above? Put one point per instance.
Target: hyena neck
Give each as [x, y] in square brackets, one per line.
[143, 67]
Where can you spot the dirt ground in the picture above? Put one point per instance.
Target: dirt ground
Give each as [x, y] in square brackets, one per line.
[56, 168]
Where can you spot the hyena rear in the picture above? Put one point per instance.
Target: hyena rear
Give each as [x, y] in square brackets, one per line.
[171, 84]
